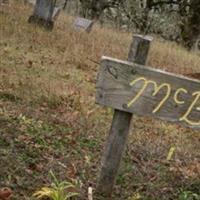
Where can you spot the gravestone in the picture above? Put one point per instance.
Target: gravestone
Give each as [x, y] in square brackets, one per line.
[84, 24]
[45, 13]
[56, 12]
[4, 2]
[197, 45]
[30, 2]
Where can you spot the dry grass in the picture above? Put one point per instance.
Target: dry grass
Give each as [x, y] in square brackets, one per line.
[47, 56]
[51, 77]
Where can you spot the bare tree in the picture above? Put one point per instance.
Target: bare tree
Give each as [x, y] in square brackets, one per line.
[189, 11]
[94, 8]
[187, 15]
[191, 25]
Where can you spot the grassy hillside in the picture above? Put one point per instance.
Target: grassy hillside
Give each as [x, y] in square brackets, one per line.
[49, 120]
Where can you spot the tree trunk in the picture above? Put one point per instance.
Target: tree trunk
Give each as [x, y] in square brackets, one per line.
[191, 26]
[96, 7]
[145, 18]
[85, 8]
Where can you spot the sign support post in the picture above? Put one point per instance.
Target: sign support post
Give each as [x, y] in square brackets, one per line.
[119, 131]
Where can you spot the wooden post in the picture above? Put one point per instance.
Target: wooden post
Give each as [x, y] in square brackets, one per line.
[120, 126]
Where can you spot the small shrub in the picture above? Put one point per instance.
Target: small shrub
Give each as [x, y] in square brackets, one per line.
[188, 195]
[57, 191]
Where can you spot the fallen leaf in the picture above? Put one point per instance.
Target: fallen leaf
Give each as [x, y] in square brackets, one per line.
[5, 193]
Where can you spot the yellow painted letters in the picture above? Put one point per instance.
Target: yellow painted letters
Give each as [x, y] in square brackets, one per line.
[177, 93]
[156, 90]
[186, 115]
[177, 98]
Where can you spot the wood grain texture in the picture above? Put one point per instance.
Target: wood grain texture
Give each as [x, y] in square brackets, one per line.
[113, 152]
[139, 49]
[114, 90]
[119, 132]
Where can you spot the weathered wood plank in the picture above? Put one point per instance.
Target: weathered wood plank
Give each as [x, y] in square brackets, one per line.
[113, 151]
[146, 91]
[139, 49]
[117, 138]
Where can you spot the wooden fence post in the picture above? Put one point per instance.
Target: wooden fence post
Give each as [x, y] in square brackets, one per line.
[116, 143]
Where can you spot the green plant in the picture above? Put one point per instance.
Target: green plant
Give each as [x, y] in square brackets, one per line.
[57, 191]
[188, 195]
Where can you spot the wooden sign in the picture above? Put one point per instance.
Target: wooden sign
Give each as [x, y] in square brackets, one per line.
[83, 23]
[146, 91]
[132, 88]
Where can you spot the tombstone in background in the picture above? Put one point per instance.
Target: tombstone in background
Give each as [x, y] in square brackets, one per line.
[56, 12]
[30, 2]
[45, 13]
[197, 45]
[4, 2]
[84, 24]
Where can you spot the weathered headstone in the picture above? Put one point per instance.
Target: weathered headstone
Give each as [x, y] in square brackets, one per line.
[84, 24]
[30, 2]
[197, 45]
[45, 13]
[56, 12]
[4, 2]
